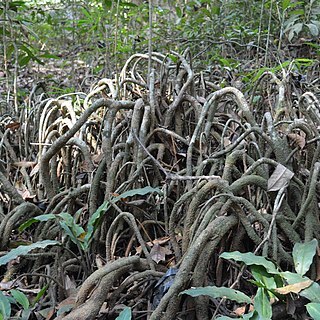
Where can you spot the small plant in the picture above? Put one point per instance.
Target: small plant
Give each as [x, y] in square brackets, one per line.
[272, 283]
[77, 234]
[303, 17]
[16, 297]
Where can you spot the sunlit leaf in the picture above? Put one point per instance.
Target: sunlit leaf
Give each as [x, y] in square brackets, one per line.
[314, 310]
[125, 314]
[303, 254]
[178, 12]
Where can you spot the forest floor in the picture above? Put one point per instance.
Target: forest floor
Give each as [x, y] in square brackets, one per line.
[124, 191]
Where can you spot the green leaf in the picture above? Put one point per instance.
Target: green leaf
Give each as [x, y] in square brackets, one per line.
[5, 307]
[251, 259]
[107, 3]
[314, 310]
[125, 314]
[86, 13]
[262, 304]
[23, 250]
[136, 192]
[285, 4]
[21, 298]
[93, 221]
[23, 60]
[303, 254]
[312, 293]
[215, 10]
[313, 29]
[67, 218]
[292, 277]
[40, 294]
[127, 4]
[218, 292]
[41, 218]
[225, 318]
[251, 316]
[72, 229]
[266, 279]
[178, 12]
[68, 231]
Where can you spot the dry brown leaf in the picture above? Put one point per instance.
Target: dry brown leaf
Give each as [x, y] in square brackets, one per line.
[155, 241]
[294, 288]
[159, 253]
[13, 126]
[96, 158]
[241, 310]
[297, 139]
[23, 191]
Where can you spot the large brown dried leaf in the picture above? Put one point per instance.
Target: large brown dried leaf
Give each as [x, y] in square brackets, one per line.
[297, 139]
[280, 178]
[294, 288]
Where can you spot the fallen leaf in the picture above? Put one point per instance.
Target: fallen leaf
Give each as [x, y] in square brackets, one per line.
[13, 126]
[159, 253]
[297, 139]
[155, 241]
[280, 178]
[294, 288]
[241, 310]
